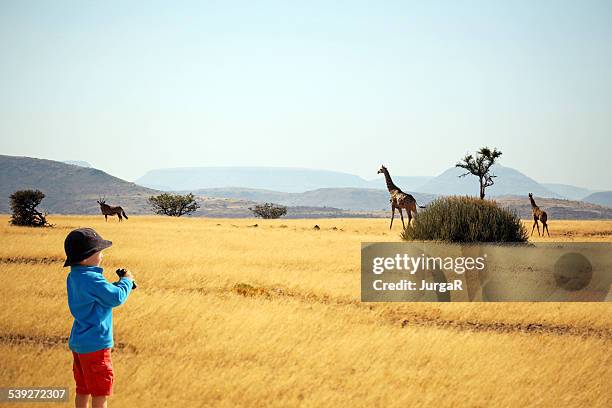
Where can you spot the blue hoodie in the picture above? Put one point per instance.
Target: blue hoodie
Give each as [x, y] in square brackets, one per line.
[91, 299]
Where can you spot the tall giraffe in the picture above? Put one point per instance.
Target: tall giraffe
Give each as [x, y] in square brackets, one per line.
[399, 199]
[538, 215]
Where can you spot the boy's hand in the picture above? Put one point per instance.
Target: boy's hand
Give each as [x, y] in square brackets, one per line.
[124, 273]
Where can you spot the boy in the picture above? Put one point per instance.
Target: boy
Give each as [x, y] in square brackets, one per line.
[91, 299]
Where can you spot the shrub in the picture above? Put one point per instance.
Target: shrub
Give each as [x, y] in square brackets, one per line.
[23, 206]
[269, 210]
[173, 205]
[466, 219]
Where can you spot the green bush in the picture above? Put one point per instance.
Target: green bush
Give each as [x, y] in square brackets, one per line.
[466, 219]
[23, 207]
[269, 210]
[173, 205]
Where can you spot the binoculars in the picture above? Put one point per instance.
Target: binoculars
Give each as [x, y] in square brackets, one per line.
[121, 273]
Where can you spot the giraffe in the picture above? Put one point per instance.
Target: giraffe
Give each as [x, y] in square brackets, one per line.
[538, 215]
[399, 199]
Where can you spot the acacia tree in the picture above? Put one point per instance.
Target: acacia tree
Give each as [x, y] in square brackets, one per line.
[23, 206]
[173, 205]
[269, 210]
[480, 167]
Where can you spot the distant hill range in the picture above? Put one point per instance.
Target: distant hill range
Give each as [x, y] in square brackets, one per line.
[507, 181]
[556, 208]
[602, 198]
[286, 179]
[568, 191]
[356, 199]
[377, 201]
[73, 189]
[294, 180]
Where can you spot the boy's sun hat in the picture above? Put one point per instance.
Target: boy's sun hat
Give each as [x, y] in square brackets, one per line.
[81, 243]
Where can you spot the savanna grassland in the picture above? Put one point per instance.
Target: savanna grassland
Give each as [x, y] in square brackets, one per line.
[230, 314]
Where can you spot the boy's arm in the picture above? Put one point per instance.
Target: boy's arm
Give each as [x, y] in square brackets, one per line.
[110, 294]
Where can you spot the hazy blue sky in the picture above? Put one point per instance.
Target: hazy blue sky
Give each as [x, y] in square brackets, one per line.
[131, 86]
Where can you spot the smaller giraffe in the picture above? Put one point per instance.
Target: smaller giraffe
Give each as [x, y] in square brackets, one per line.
[538, 215]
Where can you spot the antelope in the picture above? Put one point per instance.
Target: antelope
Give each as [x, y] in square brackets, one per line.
[108, 210]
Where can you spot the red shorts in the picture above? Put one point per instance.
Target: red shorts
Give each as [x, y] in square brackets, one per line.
[93, 373]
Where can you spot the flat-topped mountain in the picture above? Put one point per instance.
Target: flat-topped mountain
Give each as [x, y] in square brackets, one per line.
[78, 163]
[268, 178]
[285, 179]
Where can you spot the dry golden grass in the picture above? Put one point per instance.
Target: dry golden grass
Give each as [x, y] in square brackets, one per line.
[233, 315]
